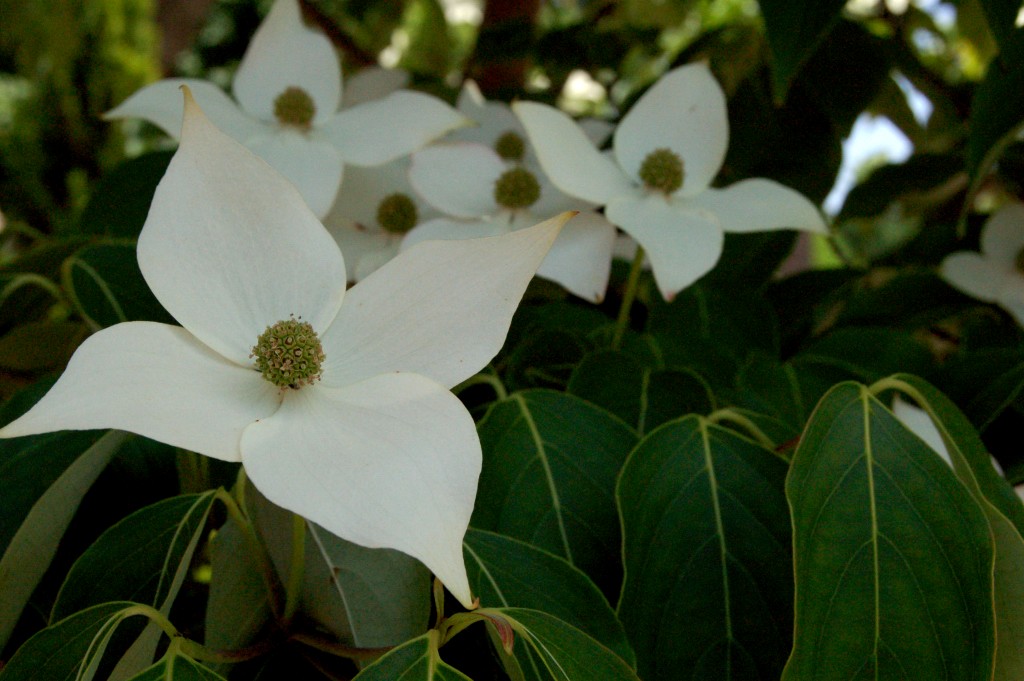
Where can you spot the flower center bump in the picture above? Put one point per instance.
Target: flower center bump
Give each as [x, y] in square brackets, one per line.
[294, 107]
[662, 170]
[289, 354]
[516, 188]
[510, 146]
[397, 214]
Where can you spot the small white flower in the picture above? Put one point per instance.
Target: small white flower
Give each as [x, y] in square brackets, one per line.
[489, 195]
[376, 207]
[996, 275]
[288, 89]
[657, 184]
[337, 403]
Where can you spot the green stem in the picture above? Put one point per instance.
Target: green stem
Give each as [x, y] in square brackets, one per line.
[297, 567]
[632, 283]
[493, 380]
[733, 416]
[338, 649]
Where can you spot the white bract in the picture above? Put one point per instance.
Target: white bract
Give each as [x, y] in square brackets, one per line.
[337, 403]
[375, 208]
[289, 90]
[657, 184]
[489, 195]
[996, 275]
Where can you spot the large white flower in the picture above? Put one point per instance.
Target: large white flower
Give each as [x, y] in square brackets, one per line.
[996, 275]
[488, 195]
[288, 88]
[657, 184]
[337, 403]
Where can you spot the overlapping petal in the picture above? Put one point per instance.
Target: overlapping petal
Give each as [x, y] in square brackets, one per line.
[491, 119]
[158, 381]
[230, 247]
[457, 179]
[285, 53]
[581, 257]
[370, 83]
[685, 112]
[382, 130]
[366, 186]
[759, 205]
[392, 461]
[445, 229]
[160, 104]
[414, 314]
[569, 158]
[682, 244]
[311, 164]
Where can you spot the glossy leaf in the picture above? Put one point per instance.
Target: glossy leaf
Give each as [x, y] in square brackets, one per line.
[564, 652]
[505, 572]
[707, 554]
[177, 668]
[238, 606]
[1005, 513]
[893, 558]
[640, 396]
[794, 30]
[549, 470]
[48, 499]
[415, 660]
[120, 201]
[59, 652]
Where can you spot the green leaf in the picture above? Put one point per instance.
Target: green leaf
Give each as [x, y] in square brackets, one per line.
[565, 653]
[369, 597]
[52, 496]
[1002, 506]
[415, 660]
[794, 29]
[1002, 21]
[58, 652]
[107, 287]
[178, 668]
[505, 572]
[238, 606]
[997, 114]
[640, 396]
[870, 353]
[707, 553]
[119, 202]
[548, 478]
[41, 345]
[143, 558]
[893, 558]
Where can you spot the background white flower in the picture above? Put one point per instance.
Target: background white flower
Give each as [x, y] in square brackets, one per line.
[996, 275]
[372, 445]
[657, 184]
[289, 90]
[468, 182]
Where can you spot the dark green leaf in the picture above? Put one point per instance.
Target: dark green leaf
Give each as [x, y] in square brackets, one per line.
[415, 660]
[177, 668]
[239, 605]
[1002, 20]
[707, 552]
[107, 286]
[997, 112]
[795, 28]
[893, 557]
[57, 652]
[119, 203]
[505, 572]
[870, 353]
[41, 345]
[549, 470]
[143, 558]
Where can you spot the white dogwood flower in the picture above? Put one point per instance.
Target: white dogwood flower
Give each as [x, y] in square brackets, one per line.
[657, 184]
[996, 275]
[488, 194]
[288, 89]
[336, 403]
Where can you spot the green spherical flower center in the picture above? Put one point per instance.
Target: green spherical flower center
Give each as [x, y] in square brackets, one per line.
[294, 107]
[510, 146]
[397, 214]
[516, 188]
[662, 170]
[289, 354]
